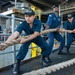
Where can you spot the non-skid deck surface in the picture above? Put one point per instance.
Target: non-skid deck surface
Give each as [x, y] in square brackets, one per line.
[35, 64]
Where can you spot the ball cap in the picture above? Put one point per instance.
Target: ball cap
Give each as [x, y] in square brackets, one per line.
[29, 12]
[54, 6]
[69, 16]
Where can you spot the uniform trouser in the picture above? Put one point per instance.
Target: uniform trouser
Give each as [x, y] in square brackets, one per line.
[70, 39]
[58, 37]
[40, 42]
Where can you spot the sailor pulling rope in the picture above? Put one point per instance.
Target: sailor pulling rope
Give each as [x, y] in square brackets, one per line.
[7, 44]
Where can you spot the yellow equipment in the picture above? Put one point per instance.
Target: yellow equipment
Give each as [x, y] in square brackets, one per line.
[35, 49]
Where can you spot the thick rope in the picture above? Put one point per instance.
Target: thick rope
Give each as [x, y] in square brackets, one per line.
[52, 68]
[7, 44]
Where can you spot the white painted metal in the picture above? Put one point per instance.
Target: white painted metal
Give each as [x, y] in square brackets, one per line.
[13, 47]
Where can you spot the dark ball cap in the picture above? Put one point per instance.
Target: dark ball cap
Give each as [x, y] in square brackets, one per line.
[29, 12]
[54, 6]
[69, 16]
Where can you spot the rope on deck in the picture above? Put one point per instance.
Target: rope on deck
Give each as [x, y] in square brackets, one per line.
[53, 68]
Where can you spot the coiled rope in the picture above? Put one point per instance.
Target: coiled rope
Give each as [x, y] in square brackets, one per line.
[52, 68]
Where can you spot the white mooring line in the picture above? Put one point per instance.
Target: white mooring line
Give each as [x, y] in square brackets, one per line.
[52, 68]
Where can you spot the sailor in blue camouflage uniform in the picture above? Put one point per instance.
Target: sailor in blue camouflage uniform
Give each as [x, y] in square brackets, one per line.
[32, 27]
[54, 21]
[70, 25]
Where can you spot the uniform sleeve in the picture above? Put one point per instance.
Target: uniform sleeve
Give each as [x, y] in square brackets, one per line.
[38, 27]
[20, 28]
[49, 20]
[65, 25]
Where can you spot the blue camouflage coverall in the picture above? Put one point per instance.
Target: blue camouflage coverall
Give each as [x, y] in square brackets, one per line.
[24, 26]
[70, 36]
[54, 22]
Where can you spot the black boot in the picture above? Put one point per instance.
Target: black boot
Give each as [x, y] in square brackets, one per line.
[68, 51]
[61, 53]
[16, 70]
[44, 61]
[48, 59]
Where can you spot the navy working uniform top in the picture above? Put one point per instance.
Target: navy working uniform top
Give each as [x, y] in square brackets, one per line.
[69, 26]
[25, 26]
[35, 28]
[53, 21]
